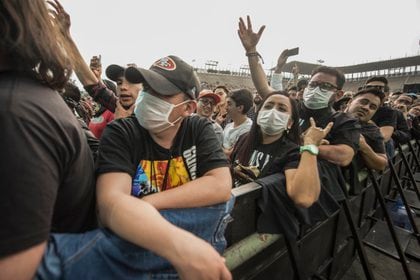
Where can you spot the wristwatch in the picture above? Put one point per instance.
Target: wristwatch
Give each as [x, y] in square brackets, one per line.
[313, 149]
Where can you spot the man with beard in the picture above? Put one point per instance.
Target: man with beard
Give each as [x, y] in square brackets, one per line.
[363, 106]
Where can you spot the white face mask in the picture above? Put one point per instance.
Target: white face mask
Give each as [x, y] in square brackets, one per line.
[316, 98]
[272, 122]
[152, 112]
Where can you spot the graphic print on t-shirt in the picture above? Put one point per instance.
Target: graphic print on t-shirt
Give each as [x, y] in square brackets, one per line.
[150, 176]
[259, 159]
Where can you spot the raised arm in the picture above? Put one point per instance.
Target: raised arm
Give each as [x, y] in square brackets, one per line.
[249, 41]
[99, 92]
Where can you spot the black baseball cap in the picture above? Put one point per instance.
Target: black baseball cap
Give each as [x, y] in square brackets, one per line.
[114, 71]
[167, 76]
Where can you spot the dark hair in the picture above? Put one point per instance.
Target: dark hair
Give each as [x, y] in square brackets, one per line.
[222, 87]
[381, 79]
[254, 137]
[293, 88]
[242, 97]
[71, 91]
[333, 72]
[378, 79]
[33, 43]
[374, 91]
[302, 83]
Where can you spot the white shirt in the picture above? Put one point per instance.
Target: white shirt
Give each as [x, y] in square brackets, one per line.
[231, 134]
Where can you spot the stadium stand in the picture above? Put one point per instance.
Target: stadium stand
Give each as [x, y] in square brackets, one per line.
[402, 74]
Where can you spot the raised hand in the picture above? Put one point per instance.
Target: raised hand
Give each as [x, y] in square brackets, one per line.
[248, 37]
[314, 135]
[60, 16]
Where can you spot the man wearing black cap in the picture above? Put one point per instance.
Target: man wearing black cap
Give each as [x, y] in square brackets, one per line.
[160, 158]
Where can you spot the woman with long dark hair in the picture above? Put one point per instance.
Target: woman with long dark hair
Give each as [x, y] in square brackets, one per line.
[273, 145]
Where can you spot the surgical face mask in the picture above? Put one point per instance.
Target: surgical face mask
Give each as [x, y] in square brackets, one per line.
[315, 98]
[272, 122]
[152, 112]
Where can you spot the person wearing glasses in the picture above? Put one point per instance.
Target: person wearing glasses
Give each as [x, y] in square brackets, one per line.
[325, 87]
[206, 102]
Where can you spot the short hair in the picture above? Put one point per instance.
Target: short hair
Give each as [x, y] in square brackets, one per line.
[378, 79]
[374, 91]
[302, 83]
[71, 91]
[293, 88]
[242, 97]
[222, 87]
[333, 72]
[381, 79]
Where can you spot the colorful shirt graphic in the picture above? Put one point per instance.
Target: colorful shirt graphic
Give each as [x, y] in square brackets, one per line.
[150, 176]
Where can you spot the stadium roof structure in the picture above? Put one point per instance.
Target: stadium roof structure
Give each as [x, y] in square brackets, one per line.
[306, 68]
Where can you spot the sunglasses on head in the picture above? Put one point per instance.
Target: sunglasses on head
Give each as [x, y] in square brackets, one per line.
[323, 86]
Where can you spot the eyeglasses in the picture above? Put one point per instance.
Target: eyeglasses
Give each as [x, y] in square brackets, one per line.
[207, 102]
[323, 86]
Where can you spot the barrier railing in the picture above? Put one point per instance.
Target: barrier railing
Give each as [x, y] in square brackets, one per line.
[328, 249]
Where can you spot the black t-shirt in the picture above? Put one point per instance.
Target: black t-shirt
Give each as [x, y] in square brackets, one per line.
[346, 129]
[373, 137]
[271, 158]
[401, 134]
[278, 156]
[128, 147]
[46, 168]
[385, 116]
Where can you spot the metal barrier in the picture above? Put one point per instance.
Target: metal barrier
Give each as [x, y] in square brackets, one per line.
[328, 249]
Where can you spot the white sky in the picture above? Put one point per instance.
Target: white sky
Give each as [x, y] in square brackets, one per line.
[336, 31]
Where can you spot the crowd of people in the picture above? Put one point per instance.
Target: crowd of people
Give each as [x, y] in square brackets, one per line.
[133, 179]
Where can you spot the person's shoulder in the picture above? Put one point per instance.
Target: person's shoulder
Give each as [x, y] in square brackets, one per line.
[18, 91]
[385, 111]
[341, 118]
[128, 126]
[288, 143]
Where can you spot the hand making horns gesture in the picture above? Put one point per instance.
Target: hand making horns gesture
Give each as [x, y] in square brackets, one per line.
[314, 135]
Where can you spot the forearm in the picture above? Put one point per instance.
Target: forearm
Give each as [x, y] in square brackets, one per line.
[204, 191]
[341, 154]
[304, 188]
[80, 67]
[128, 216]
[386, 132]
[258, 75]
[373, 160]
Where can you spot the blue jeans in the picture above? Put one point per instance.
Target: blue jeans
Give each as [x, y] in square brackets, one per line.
[100, 254]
